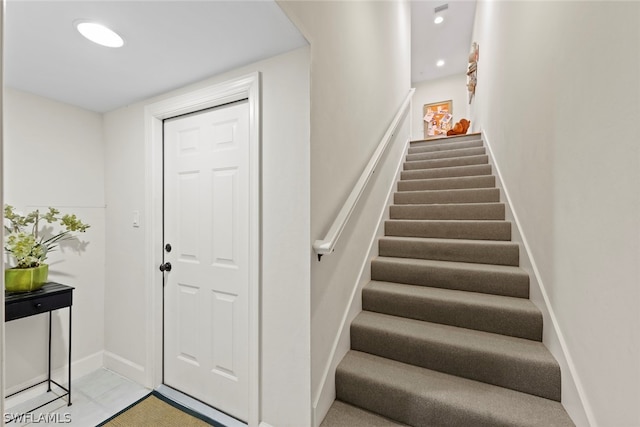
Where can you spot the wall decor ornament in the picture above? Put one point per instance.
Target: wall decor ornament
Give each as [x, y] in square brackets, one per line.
[437, 118]
[472, 71]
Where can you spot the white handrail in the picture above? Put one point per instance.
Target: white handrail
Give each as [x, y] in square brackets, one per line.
[326, 245]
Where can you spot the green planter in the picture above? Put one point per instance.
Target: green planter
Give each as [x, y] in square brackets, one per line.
[25, 279]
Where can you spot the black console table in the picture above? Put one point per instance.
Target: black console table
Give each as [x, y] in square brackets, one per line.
[52, 296]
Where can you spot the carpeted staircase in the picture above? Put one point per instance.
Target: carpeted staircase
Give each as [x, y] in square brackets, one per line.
[447, 335]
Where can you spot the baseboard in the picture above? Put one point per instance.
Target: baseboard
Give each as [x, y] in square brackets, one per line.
[573, 396]
[326, 392]
[79, 368]
[263, 424]
[82, 367]
[124, 367]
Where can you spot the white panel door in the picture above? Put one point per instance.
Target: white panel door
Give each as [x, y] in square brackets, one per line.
[206, 222]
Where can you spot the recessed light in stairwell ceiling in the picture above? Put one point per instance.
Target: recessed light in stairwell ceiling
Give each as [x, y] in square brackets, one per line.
[440, 63]
[100, 34]
[439, 12]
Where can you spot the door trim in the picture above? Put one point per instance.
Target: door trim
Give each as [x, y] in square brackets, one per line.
[245, 87]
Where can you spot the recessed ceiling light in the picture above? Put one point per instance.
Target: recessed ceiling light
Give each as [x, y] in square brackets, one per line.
[439, 13]
[440, 62]
[100, 34]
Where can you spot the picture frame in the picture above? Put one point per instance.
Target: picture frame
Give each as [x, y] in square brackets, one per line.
[438, 118]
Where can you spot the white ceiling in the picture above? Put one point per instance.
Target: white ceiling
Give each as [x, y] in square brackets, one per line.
[450, 40]
[168, 44]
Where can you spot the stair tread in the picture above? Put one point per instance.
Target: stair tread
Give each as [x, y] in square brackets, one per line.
[511, 362]
[516, 317]
[506, 361]
[454, 265]
[451, 178]
[451, 190]
[447, 146]
[447, 139]
[342, 414]
[447, 162]
[458, 195]
[450, 153]
[484, 278]
[447, 171]
[431, 398]
[462, 298]
[499, 252]
[465, 342]
[483, 229]
[488, 180]
[460, 242]
[481, 211]
[449, 221]
[461, 205]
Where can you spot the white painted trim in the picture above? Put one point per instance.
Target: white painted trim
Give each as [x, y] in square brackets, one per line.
[326, 245]
[553, 337]
[263, 424]
[81, 367]
[125, 367]
[325, 394]
[246, 87]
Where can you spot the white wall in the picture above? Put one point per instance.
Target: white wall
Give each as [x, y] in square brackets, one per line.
[54, 157]
[452, 88]
[558, 98]
[285, 317]
[360, 75]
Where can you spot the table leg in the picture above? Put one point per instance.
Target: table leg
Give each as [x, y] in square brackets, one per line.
[69, 383]
[49, 361]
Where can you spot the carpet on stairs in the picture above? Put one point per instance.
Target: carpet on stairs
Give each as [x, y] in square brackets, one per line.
[447, 335]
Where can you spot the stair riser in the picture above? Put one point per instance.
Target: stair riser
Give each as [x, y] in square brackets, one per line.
[494, 211]
[444, 147]
[480, 195]
[538, 379]
[472, 252]
[446, 154]
[447, 163]
[489, 282]
[513, 323]
[441, 141]
[451, 172]
[488, 181]
[481, 230]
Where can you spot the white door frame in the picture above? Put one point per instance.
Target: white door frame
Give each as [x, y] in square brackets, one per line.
[246, 87]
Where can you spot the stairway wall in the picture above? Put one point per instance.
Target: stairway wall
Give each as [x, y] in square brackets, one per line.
[347, 270]
[543, 73]
[360, 75]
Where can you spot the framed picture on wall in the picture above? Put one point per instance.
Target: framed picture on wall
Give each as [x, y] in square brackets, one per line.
[437, 118]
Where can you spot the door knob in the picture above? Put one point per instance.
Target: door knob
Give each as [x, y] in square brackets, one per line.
[165, 267]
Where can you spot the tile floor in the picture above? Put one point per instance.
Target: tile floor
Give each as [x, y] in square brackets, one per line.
[95, 397]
